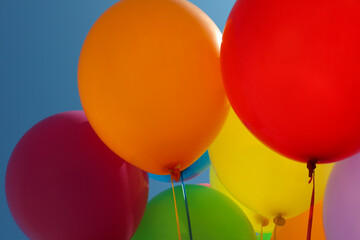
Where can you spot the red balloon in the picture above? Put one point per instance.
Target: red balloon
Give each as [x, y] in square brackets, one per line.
[62, 182]
[291, 69]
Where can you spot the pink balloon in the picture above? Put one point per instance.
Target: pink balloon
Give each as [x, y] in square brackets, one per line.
[205, 184]
[62, 182]
[342, 201]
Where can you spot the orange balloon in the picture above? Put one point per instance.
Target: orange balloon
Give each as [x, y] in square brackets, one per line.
[150, 83]
[296, 228]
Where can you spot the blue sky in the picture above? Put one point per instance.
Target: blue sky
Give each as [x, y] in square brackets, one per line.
[40, 42]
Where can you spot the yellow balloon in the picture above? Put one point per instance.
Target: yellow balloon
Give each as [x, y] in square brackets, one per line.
[150, 82]
[256, 220]
[261, 179]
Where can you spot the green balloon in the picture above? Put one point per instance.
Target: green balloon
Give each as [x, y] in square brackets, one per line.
[213, 216]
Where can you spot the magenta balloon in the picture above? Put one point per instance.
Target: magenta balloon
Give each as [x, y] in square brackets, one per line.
[62, 182]
[341, 213]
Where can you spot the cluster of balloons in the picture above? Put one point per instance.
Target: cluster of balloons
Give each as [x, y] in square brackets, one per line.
[291, 70]
[155, 81]
[150, 84]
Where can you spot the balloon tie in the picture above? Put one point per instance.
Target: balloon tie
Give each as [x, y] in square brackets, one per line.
[186, 204]
[176, 211]
[278, 221]
[311, 166]
[175, 173]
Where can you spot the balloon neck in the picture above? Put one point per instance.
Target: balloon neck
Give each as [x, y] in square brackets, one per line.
[311, 165]
[175, 173]
[279, 221]
[264, 221]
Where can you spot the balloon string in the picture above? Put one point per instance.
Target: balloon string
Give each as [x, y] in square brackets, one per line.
[279, 221]
[311, 212]
[275, 232]
[186, 204]
[176, 211]
[261, 231]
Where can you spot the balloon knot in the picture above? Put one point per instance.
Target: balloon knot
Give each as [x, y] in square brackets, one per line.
[175, 173]
[311, 165]
[264, 221]
[279, 221]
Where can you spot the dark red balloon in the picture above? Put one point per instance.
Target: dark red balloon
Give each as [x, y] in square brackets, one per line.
[291, 69]
[62, 183]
